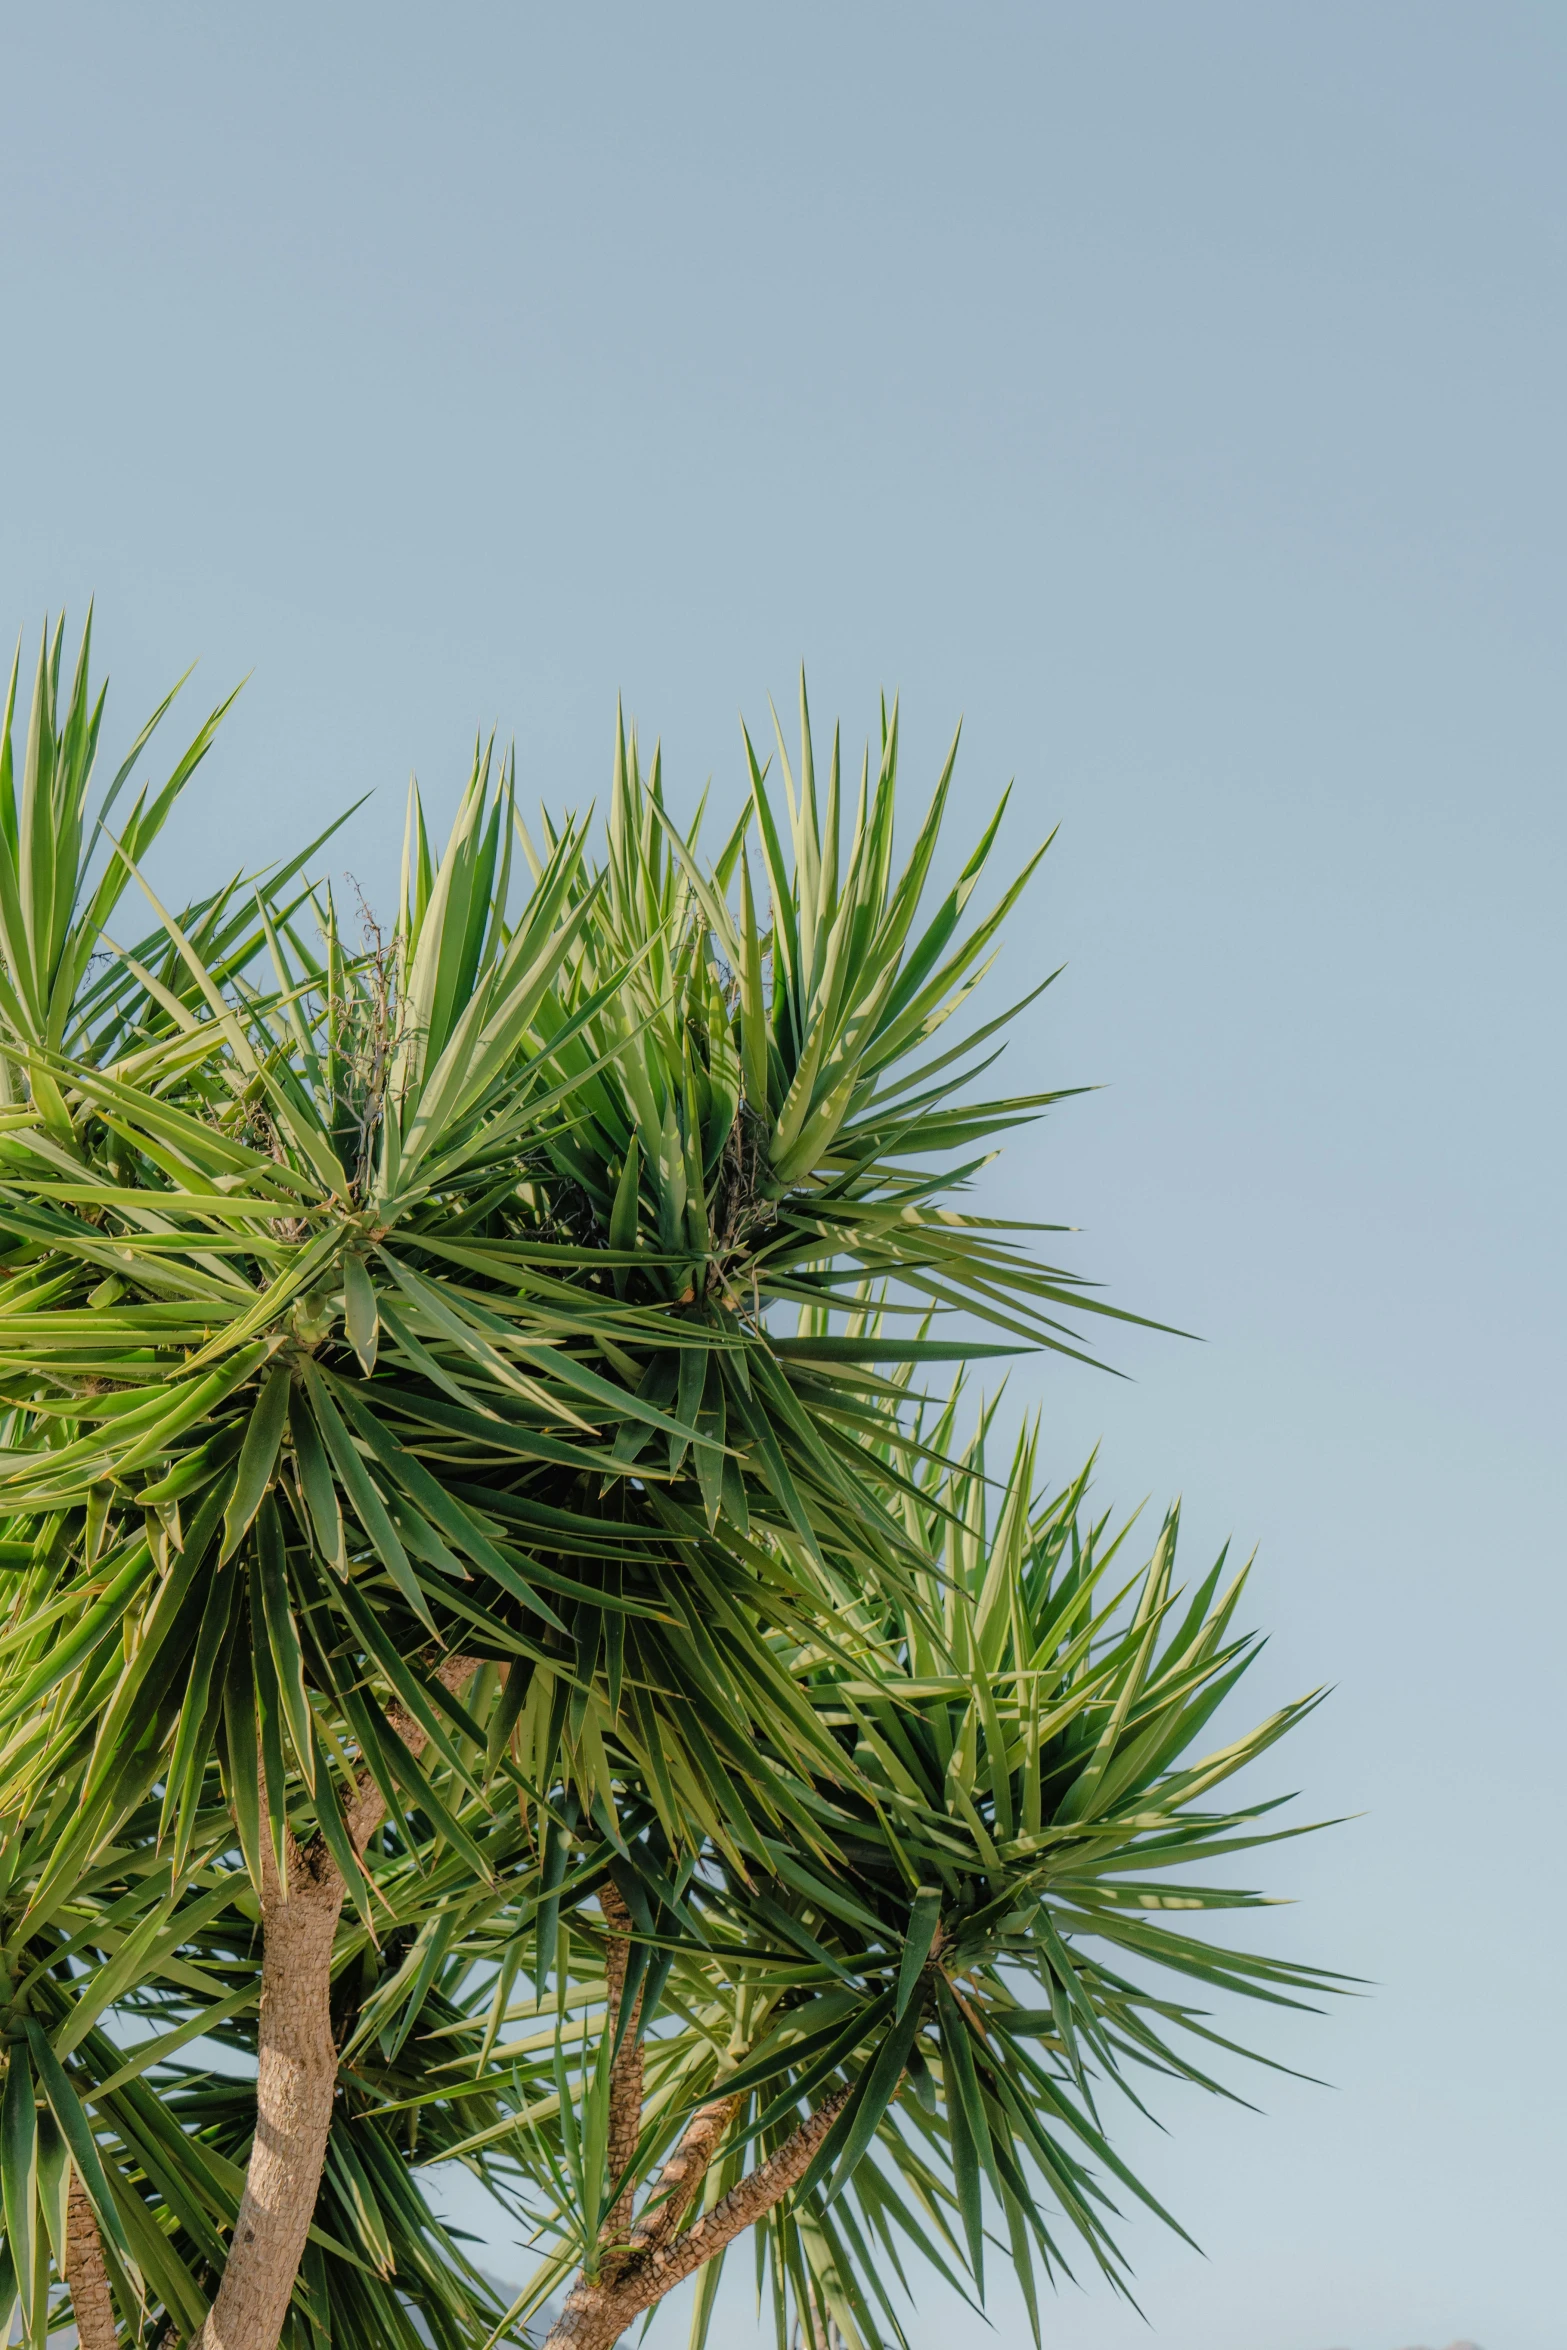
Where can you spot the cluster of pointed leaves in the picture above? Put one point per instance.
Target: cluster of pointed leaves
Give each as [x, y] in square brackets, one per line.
[959, 1930]
[363, 1303]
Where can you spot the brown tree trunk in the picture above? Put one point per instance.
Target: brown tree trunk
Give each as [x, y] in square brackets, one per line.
[85, 2274]
[625, 2078]
[296, 2069]
[596, 2315]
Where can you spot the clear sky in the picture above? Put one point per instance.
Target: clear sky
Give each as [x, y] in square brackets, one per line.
[1177, 391]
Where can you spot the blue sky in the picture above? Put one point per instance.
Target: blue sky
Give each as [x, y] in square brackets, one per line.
[1175, 393]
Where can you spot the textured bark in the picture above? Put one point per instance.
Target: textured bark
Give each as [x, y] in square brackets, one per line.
[682, 2174]
[625, 2079]
[596, 2315]
[85, 2274]
[296, 2068]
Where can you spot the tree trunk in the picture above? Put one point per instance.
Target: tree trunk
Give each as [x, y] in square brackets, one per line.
[85, 2274]
[597, 2314]
[296, 2069]
[625, 2078]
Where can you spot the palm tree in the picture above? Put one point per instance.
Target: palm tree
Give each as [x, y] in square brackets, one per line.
[431, 1561]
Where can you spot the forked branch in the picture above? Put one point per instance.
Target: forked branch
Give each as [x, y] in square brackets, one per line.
[597, 2314]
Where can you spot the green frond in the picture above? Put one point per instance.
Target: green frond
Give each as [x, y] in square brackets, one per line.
[553, 1277]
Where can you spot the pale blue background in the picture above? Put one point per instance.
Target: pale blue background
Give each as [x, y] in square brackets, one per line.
[1176, 389]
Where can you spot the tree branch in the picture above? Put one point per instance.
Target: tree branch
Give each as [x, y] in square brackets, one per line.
[368, 1809]
[682, 2173]
[625, 2078]
[596, 2315]
[741, 2208]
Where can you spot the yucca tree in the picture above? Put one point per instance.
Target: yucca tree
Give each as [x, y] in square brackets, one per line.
[127, 2170]
[853, 2037]
[425, 1542]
